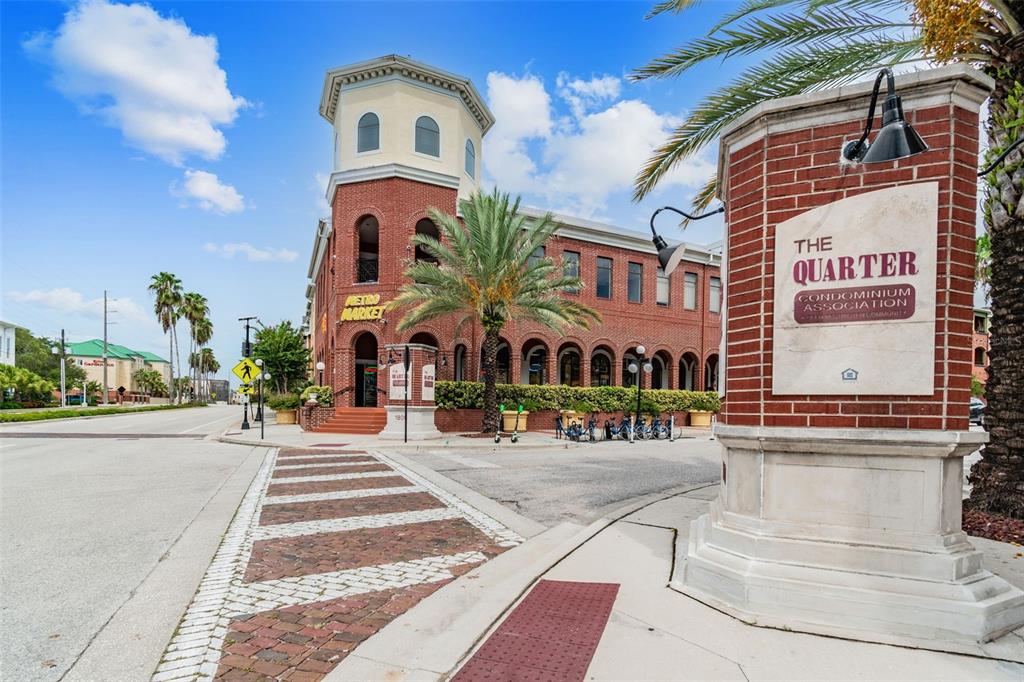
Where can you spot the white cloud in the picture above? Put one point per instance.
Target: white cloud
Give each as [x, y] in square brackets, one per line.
[581, 94]
[522, 107]
[209, 192]
[591, 154]
[147, 75]
[251, 253]
[68, 301]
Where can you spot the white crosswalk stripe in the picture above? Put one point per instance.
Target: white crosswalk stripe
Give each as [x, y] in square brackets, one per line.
[290, 530]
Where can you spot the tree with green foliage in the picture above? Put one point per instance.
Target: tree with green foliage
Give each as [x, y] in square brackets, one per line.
[35, 353]
[487, 270]
[167, 293]
[24, 386]
[284, 353]
[150, 382]
[816, 44]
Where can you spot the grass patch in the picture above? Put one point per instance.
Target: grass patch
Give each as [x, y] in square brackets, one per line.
[40, 415]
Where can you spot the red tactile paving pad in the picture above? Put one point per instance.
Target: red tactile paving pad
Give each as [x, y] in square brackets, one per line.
[551, 636]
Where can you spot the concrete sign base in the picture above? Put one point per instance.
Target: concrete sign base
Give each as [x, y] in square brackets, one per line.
[852, 533]
[421, 423]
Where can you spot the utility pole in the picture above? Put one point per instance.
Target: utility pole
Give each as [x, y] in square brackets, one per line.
[63, 385]
[106, 389]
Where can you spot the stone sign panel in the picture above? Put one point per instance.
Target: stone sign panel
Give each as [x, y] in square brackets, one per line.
[428, 383]
[398, 384]
[855, 296]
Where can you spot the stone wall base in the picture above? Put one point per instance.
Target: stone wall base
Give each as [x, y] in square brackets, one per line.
[421, 423]
[849, 533]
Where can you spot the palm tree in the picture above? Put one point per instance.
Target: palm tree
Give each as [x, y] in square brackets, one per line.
[194, 308]
[484, 273]
[167, 291]
[818, 44]
[203, 332]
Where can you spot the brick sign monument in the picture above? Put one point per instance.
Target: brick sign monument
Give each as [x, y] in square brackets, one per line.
[846, 376]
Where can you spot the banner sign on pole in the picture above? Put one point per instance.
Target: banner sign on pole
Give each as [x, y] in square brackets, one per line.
[428, 382]
[398, 387]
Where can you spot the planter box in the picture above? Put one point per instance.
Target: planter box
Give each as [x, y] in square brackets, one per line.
[508, 420]
[285, 416]
[700, 418]
[570, 416]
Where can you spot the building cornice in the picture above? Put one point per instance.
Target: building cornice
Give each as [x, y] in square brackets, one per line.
[394, 65]
[388, 170]
[323, 232]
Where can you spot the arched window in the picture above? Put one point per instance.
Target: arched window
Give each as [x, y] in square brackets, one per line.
[428, 136]
[600, 368]
[427, 227]
[534, 365]
[687, 371]
[368, 133]
[369, 250]
[711, 373]
[501, 363]
[470, 159]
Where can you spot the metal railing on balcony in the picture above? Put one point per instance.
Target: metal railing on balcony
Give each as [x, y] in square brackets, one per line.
[367, 270]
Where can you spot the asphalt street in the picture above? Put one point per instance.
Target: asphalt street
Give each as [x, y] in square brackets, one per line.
[105, 532]
[579, 484]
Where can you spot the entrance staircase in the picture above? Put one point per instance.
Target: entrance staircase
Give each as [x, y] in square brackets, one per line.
[355, 420]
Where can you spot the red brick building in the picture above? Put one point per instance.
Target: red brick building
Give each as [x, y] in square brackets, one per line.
[409, 137]
[979, 343]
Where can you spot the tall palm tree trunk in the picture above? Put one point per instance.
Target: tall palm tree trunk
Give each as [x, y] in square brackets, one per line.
[170, 359]
[491, 415]
[998, 478]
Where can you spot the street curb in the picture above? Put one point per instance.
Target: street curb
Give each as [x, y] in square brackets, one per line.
[431, 640]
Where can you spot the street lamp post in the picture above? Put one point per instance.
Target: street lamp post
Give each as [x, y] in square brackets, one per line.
[259, 404]
[265, 376]
[634, 368]
[63, 391]
[320, 368]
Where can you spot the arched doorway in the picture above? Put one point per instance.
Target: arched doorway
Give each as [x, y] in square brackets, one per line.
[629, 378]
[534, 370]
[660, 374]
[569, 365]
[365, 388]
[711, 373]
[460, 363]
[501, 364]
[601, 362]
[688, 371]
[369, 250]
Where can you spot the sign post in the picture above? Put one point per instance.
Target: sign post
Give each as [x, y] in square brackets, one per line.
[246, 370]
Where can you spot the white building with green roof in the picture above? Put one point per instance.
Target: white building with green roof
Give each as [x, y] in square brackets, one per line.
[122, 363]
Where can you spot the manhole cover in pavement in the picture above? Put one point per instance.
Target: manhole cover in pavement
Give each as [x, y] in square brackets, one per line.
[551, 635]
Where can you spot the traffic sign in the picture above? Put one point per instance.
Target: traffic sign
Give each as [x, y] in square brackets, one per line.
[246, 389]
[246, 370]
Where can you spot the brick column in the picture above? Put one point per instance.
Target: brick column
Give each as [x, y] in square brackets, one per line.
[420, 409]
[853, 494]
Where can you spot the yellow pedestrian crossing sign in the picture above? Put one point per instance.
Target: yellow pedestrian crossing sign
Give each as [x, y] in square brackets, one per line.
[246, 389]
[247, 371]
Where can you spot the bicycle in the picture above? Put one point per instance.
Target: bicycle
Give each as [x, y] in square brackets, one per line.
[622, 430]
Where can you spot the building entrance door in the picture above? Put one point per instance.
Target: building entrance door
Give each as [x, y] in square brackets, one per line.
[366, 384]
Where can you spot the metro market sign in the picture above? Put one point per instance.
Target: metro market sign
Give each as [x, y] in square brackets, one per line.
[363, 307]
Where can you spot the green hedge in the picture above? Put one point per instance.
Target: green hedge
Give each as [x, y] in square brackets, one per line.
[72, 413]
[450, 395]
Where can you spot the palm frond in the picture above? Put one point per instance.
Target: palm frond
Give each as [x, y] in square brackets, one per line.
[753, 6]
[774, 31]
[673, 6]
[793, 72]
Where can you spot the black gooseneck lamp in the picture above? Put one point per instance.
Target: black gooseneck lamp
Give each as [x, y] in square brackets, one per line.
[896, 140]
[669, 256]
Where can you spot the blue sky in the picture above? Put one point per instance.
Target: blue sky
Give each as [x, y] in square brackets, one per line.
[185, 137]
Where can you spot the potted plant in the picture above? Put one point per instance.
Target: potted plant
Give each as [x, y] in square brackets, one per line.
[702, 406]
[509, 416]
[284, 405]
[317, 395]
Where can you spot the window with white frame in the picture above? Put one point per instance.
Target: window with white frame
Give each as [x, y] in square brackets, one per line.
[663, 288]
[715, 294]
[368, 133]
[428, 136]
[690, 291]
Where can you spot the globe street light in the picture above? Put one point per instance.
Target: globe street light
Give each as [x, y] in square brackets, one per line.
[265, 376]
[320, 368]
[259, 402]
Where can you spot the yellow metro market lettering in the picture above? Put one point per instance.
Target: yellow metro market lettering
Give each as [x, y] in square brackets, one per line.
[362, 307]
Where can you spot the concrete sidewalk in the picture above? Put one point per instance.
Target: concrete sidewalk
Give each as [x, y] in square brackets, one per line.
[292, 436]
[654, 633]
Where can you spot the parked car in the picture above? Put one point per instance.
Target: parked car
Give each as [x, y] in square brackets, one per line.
[977, 411]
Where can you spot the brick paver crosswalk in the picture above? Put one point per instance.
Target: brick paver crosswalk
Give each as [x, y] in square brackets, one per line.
[327, 547]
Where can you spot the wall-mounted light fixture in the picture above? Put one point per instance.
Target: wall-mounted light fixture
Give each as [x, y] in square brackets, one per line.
[669, 256]
[896, 140]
